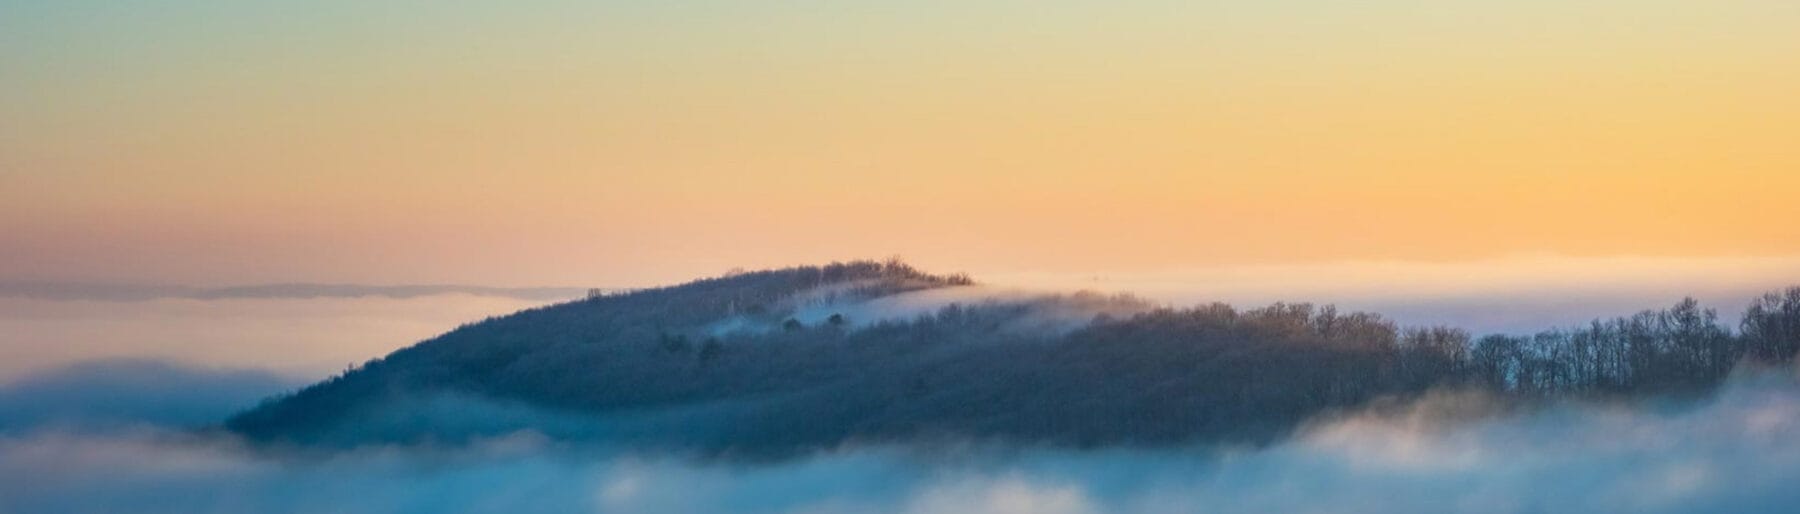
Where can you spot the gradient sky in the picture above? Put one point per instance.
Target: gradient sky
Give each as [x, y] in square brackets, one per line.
[627, 143]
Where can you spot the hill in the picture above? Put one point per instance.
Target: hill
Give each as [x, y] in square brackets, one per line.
[770, 363]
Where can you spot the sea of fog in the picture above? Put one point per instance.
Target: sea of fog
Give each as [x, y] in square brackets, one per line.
[100, 399]
[1447, 453]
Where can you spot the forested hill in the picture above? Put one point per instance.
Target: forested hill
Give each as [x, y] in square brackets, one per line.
[776, 362]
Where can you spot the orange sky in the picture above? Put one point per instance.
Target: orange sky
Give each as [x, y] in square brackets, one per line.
[633, 144]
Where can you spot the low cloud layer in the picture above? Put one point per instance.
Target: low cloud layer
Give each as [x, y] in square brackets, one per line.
[1729, 453]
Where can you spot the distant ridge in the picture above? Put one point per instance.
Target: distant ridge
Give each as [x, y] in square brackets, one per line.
[104, 292]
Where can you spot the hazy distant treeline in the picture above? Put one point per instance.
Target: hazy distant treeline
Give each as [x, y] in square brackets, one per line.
[734, 365]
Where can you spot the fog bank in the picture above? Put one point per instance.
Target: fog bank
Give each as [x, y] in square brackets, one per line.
[1447, 452]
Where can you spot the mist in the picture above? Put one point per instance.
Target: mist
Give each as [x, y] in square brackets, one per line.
[306, 337]
[1056, 312]
[1515, 294]
[317, 330]
[106, 395]
[1446, 452]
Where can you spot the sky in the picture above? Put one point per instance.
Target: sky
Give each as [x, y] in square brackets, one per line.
[633, 143]
[1497, 165]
